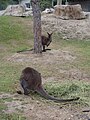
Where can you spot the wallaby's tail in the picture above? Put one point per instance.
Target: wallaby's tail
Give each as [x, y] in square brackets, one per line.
[43, 93]
[24, 50]
[19, 92]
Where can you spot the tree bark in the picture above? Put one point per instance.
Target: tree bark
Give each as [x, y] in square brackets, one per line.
[36, 26]
[59, 2]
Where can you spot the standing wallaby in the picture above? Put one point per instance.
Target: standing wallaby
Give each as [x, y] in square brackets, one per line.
[30, 79]
[46, 40]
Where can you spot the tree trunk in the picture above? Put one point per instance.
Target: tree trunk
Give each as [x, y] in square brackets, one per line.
[36, 26]
[59, 2]
[52, 3]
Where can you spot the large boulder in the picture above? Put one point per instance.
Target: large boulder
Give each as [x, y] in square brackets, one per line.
[69, 11]
[16, 10]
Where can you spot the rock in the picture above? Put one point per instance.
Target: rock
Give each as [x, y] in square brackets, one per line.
[2, 12]
[69, 11]
[16, 10]
[47, 10]
[27, 13]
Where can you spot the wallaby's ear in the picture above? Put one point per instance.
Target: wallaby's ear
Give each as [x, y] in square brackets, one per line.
[49, 33]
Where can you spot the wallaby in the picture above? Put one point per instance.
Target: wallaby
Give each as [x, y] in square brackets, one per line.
[46, 40]
[30, 80]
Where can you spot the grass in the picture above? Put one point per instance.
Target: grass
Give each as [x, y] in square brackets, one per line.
[11, 117]
[11, 29]
[16, 34]
[13, 34]
[5, 116]
[81, 49]
[70, 90]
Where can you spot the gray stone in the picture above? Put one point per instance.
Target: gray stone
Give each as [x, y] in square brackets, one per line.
[69, 12]
[16, 10]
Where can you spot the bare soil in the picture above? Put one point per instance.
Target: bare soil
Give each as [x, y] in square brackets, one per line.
[34, 109]
[37, 110]
[52, 58]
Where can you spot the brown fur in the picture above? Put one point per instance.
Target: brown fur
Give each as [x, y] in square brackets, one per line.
[46, 40]
[30, 79]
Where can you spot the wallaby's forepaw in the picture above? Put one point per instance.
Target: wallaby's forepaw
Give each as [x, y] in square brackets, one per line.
[19, 92]
[43, 50]
[78, 98]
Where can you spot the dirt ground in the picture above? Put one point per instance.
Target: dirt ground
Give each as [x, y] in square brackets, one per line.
[55, 59]
[34, 109]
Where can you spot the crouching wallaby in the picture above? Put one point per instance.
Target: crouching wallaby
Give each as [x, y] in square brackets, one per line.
[46, 40]
[30, 79]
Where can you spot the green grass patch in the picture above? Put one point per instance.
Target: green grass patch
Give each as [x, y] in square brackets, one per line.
[2, 106]
[78, 48]
[15, 34]
[13, 28]
[11, 117]
[70, 90]
[9, 75]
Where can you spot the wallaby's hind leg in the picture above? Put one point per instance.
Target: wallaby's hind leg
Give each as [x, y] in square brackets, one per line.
[44, 48]
[25, 87]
